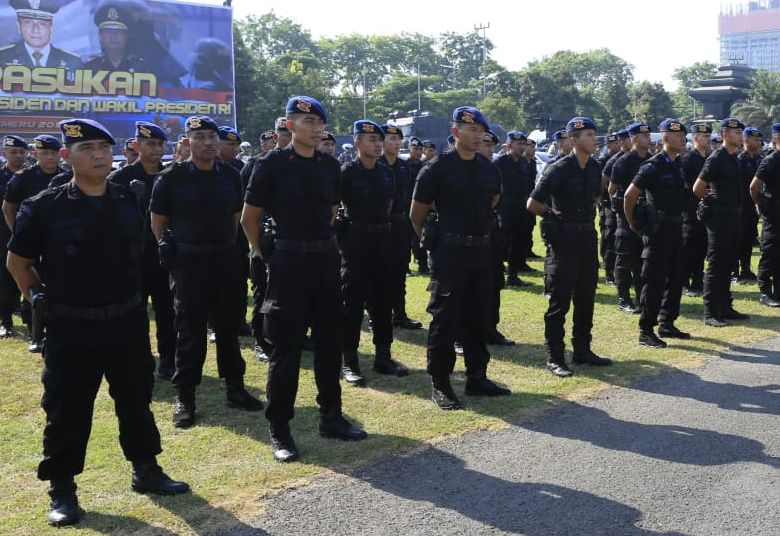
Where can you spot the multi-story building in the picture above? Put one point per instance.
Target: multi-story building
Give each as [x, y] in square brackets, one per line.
[750, 34]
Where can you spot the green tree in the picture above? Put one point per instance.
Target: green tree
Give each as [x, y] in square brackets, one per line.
[689, 77]
[762, 108]
[650, 102]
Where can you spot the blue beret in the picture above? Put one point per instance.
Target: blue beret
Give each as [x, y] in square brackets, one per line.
[638, 128]
[328, 136]
[306, 105]
[75, 130]
[612, 137]
[730, 122]
[469, 114]
[267, 135]
[46, 141]
[392, 129]
[623, 134]
[776, 128]
[491, 137]
[280, 125]
[752, 132]
[516, 135]
[672, 125]
[364, 126]
[428, 144]
[199, 122]
[145, 130]
[415, 142]
[35, 9]
[451, 139]
[580, 123]
[701, 128]
[560, 135]
[228, 134]
[14, 141]
[129, 143]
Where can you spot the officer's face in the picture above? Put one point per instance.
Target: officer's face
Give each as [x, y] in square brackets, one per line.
[150, 151]
[131, 155]
[113, 40]
[731, 136]
[613, 146]
[369, 145]
[641, 141]
[15, 156]
[702, 140]
[90, 159]
[486, 148]
[415, 152]
[203, 144]
[517, 148]
[267, 145]
[393, 144]
[306, 129]
[229, 149]
[283, 138]
[468, 136]
[752, 143]
[530, 150]
[36, 33]
[674, 141]
[625, 144]
[48, 159]
[429, 152]
[584, 141]
[328, 146]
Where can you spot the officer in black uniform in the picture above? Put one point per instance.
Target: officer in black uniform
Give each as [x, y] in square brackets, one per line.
[566, 196]
[465, 187]
[35, 20]
[88, 237]
[765, 191]
[281, 133]
[15, 153]
[24, 185]
[131, 155]
[195, 208]
[662, 180]
[368, 193]
[415, 164]
[299, 187]
[139, 177]
[628, 245]
[694, 232]
[607, 221]
[749, 159]
[114, 20]
[267, 141]
[229, 147]
[61, 178]
[429, 151]
[721, 182]
[562, 145]
[531, 173]
[515, 188]
[401, 229]
[328, 144]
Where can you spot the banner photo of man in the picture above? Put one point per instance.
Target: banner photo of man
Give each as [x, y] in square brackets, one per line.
[115, 61]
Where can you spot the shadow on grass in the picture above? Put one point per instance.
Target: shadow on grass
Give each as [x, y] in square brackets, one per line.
[202, 517]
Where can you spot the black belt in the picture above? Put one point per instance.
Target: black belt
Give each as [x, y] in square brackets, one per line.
[370, 228]
[203, 249]
[106, 312]
[466, 240]
[570, 226]
[306, 246]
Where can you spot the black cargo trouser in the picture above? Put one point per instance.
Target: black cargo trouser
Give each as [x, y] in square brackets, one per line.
[259, 275]
[515, 237]
[723, 232]
[769, 265]
[694, 251]
[303, 290]
[747, 238]
[401, 236]
[496, 274]
[156, 285]
[366, 277]
[207, 286]
[571, 273]
[71, 379]
[460, 305]
[608, 226]
[9, 292]
[628, 261]
[661, 276]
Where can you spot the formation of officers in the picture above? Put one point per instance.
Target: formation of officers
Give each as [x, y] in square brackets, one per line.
[88, 248]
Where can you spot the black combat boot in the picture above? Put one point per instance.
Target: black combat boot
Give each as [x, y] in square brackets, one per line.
[556, 361]
[668, 330]
[334, 425]
[583, 355]
[65, 509]
[384, 364]
[148, 477]
[351, 370]
[402, 320]
[477, 384]
[647, 337]
[443, 395]
[184, 410]
[282, 442]
[239, 397]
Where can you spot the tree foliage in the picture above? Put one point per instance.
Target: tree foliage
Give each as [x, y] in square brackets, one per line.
[762, 108]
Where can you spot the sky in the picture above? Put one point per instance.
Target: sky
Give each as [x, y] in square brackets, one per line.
[655, 37]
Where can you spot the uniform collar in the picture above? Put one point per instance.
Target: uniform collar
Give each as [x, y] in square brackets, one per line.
[74, 192]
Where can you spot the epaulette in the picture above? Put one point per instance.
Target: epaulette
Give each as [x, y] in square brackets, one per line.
[69, 53]
[6, 47]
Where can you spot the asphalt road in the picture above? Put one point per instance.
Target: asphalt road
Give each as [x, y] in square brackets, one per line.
[682, 453]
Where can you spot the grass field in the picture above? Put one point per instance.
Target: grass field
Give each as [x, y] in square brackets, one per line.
[226, 457]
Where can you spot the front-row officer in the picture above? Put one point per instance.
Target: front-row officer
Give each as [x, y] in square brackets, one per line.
[662, 179]
[195, 207]
[88, 236]
[465, 187]
[567, 195]
[766, 187]
[299, 187]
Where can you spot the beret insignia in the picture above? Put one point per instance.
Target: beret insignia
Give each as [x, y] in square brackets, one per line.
[73, 131]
